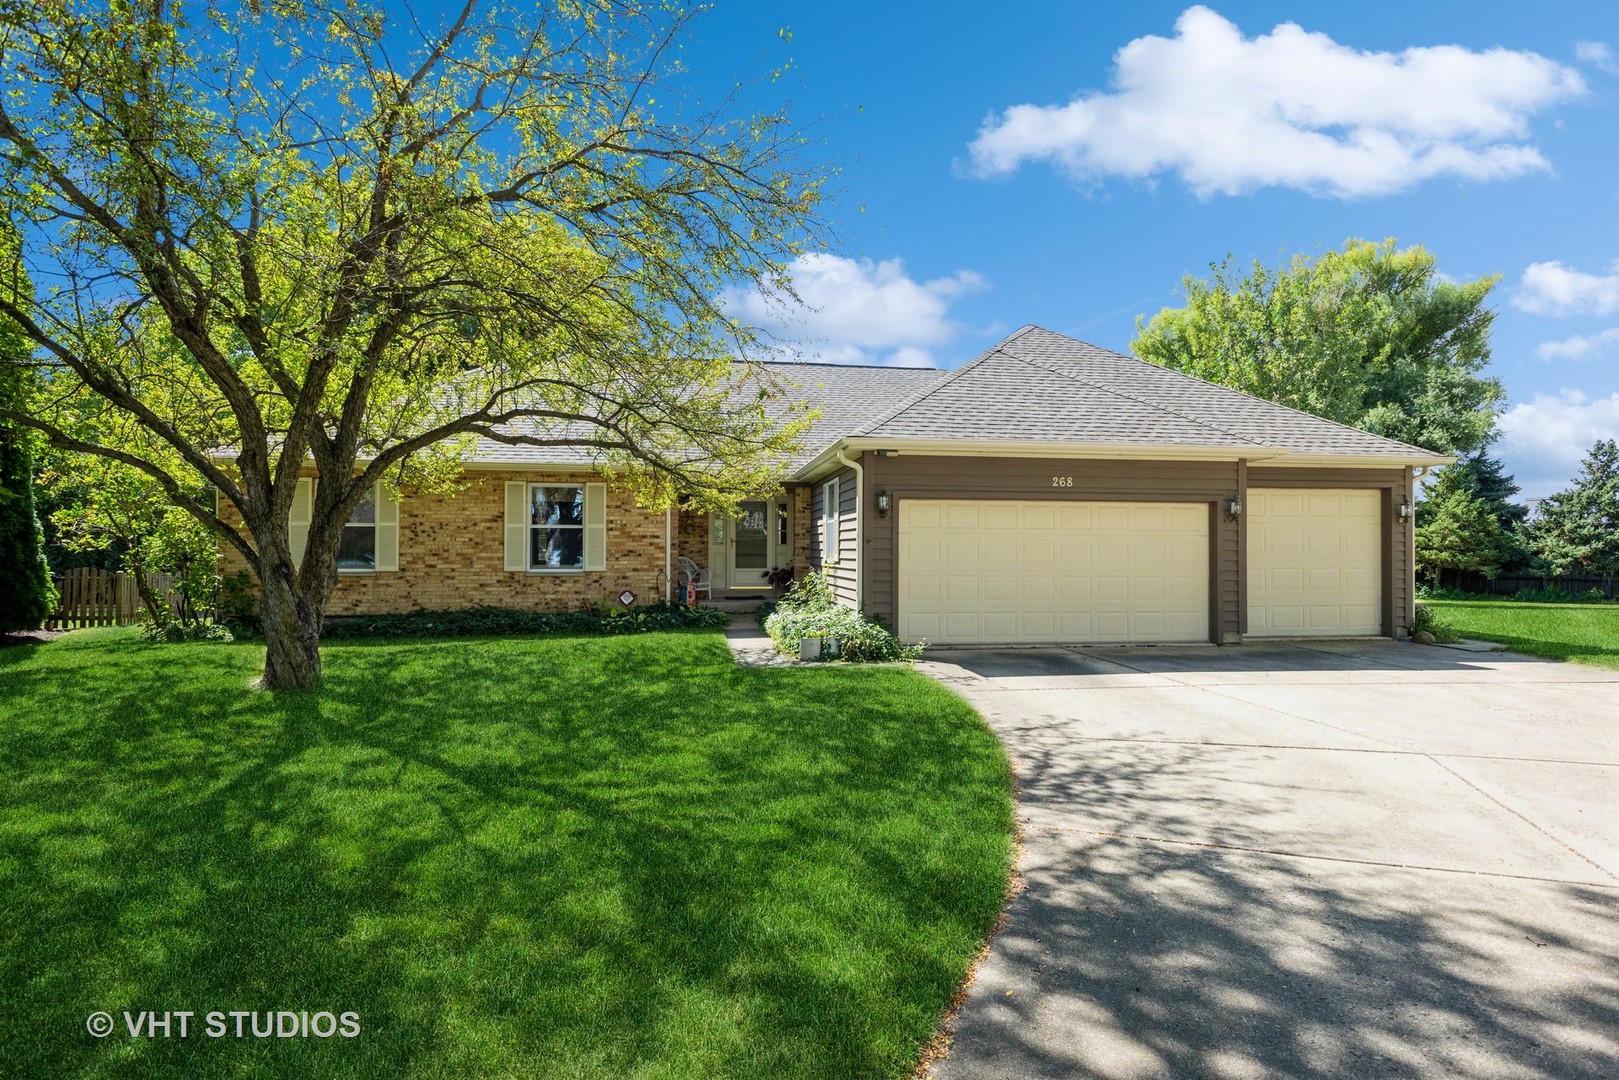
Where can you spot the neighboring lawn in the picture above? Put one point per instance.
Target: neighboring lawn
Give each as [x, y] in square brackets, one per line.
[581, 857]
[1588, 633]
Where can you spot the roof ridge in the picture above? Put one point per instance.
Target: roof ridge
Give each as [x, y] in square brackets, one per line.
[1043, 366]
[835, 364]
[915, 399]
[1242, 393]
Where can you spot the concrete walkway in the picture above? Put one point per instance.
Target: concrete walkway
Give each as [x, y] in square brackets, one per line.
[1295, 861]
[751, 646]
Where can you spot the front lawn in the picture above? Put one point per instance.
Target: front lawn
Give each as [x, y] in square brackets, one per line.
[1588, 633]
[568, 857]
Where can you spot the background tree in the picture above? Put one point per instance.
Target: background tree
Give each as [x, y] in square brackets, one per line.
[104, 504]
[27, 594]
[277, 236]
[1577, 531]
[1368, 336]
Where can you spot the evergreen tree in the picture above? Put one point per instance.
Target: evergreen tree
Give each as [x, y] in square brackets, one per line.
[1456, 530]
[27, 596]
[1577, 531]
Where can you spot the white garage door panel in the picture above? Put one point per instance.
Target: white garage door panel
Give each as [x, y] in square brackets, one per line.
[1315, 562]
[1002, 571]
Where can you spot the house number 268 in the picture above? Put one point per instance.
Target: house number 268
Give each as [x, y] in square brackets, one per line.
[1062, 481]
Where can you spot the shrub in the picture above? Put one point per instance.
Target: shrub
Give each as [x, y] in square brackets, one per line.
[1551, 594]
[809, 610]
[175, 633]
[491, 620]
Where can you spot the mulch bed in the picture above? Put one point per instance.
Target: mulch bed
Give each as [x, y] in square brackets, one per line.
[30, 637]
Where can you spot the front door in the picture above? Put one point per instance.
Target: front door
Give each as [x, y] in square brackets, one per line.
[750, 546]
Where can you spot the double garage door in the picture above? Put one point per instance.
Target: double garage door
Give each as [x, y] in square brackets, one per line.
[996, 571]
[1004, 571]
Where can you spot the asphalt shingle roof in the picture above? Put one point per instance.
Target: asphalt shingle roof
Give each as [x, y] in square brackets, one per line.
[1040, 386]
[1036, 386]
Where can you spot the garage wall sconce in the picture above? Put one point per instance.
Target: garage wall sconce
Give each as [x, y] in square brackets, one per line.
[882, 504]
[1404, 511]
[1234, 507]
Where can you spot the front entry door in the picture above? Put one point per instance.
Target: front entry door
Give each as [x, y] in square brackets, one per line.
[750, 546]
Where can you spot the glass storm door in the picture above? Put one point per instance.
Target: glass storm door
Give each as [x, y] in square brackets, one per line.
[750, 546]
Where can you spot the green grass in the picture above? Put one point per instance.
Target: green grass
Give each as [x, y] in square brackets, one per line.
[578, 857]
[1588, 633]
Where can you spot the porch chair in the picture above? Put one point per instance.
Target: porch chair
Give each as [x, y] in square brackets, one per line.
[695, 576]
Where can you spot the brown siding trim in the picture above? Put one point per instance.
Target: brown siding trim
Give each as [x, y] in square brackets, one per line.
[1242, 552]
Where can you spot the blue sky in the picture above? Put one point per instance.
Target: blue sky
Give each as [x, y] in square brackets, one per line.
[1065, 164]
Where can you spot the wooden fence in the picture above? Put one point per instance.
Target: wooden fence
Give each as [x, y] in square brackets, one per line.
[87, 596]
[1507, 584]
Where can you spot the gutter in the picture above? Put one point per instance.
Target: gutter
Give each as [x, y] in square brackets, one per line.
[668, 555]
[859, 532]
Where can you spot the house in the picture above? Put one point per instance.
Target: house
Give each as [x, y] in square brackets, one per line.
[1047, 491]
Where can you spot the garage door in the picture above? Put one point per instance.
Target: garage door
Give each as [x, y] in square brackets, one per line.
[1315, 562]
[1002, 571]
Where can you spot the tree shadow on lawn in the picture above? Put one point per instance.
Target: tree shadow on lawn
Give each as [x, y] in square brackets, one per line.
[597, 857]
[1129, 956]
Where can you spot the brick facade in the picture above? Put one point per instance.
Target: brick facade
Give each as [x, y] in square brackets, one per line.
[452, 555]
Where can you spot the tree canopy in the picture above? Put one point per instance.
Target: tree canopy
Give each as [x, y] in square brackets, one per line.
[334, 234]
[1370, 336]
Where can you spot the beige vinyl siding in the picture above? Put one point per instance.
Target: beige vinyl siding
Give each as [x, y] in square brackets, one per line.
[840, 572]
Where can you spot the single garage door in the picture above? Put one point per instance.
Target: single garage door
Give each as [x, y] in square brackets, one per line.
[1315, 562]
[996, 571]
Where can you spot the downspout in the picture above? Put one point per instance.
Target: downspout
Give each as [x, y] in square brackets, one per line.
[859, 511]
[668, 556]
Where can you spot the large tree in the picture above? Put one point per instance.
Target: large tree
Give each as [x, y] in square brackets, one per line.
[1370, 336]
[346, 236]
[1577, 531]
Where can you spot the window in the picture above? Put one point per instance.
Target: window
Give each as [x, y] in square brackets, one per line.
[556, 528]
[829, 522]
[357, 547]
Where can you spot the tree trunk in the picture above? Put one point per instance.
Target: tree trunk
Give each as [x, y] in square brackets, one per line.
[157, 613]
[291, 633]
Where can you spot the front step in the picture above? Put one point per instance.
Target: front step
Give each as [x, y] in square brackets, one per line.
[737, 602]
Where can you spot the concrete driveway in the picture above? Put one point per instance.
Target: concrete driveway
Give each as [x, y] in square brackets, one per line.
[1325, 859]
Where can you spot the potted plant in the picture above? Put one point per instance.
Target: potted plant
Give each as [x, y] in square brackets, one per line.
[778, 578]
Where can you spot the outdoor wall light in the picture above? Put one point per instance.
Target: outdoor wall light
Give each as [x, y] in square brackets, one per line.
[1234, 507]
[1405, 510]
[882, 503]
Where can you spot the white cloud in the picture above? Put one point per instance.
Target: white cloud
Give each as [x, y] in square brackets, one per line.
[1544, 440]
[1578, 347]
[1598, 54]
[856, 311]
[1290, 108]
[1550, 288]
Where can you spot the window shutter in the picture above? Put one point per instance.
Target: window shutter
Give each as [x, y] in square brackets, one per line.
[387, 530]
[303, 506]
[516, 525]
[595, 526]
[829, 533]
